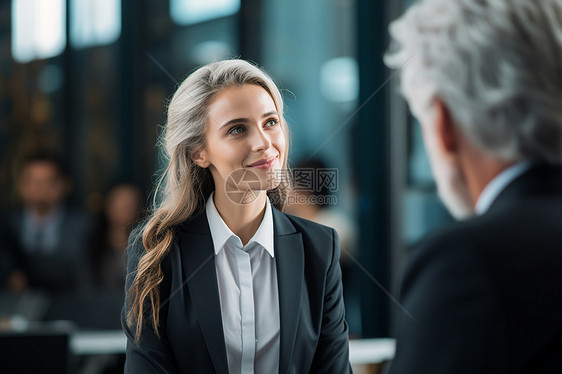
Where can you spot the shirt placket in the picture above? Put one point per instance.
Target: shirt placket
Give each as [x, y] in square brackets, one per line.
[246, 311]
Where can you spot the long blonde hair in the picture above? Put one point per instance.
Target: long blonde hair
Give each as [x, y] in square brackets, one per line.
[186, 186]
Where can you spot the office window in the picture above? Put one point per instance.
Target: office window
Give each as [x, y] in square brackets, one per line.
[339, 80]
[94, 22]
[38, 29]
[309, 48]
[188, 12]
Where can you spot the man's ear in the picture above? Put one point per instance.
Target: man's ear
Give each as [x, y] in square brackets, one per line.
[199, 156]
[445, 130]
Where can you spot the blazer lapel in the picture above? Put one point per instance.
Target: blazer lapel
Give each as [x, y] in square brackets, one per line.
[289, 258]
[198, 261]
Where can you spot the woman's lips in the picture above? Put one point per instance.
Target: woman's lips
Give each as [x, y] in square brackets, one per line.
[266, 165]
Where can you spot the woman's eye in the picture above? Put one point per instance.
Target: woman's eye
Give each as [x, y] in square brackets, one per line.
[271, 122]
[236, 130]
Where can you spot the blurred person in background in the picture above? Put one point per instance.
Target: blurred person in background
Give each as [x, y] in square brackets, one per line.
[484, 79]
[50, 240]
[122, 210]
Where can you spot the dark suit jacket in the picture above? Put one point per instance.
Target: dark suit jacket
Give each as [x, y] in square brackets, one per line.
[486, 293]
[7, 257]
[313, 337]
[66, 269]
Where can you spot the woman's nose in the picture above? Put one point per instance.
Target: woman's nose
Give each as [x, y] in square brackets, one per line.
[260, 140]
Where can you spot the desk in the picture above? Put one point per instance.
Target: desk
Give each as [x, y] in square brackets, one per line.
[371, 351]
[98, 342]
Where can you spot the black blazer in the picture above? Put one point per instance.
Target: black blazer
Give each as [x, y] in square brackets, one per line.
[485, 294]
[65, 270]
[313, 336]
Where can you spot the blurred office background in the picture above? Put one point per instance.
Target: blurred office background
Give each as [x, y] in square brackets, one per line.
[88, 80]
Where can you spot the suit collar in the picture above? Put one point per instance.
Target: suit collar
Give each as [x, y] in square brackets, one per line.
[498, 184]
[221, 233]
[198, 223]
[541, 180]
[198, 262]
[289, 260]
[281, 223]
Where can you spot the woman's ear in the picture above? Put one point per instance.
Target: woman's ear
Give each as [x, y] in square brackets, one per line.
[199, 156]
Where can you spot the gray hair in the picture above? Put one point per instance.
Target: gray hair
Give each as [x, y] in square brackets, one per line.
[495, 64]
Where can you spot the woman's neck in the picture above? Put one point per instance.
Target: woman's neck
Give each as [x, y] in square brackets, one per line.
[242, 219]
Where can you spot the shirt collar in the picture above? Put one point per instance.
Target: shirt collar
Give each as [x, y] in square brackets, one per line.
[498, 184]
[33, 219]
[221, 233]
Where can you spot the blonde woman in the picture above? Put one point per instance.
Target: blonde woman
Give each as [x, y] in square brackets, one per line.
[220, 280]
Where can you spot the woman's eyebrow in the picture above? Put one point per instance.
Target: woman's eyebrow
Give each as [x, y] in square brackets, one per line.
[236, 120]
[246, 120]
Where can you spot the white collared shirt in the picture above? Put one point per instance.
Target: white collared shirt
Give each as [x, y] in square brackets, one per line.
[247, 279]
[498, 184]
[42, 234]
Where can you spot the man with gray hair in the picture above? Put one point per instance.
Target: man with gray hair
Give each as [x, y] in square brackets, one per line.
[484, 78]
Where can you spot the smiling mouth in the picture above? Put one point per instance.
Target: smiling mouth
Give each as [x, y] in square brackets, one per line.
[264, 165]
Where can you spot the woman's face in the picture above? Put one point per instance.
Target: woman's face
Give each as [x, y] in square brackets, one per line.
[245, 143]
[123, 205]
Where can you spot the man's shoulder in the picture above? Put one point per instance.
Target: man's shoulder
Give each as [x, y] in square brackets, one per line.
[478, 232]
[512, 242]
[11, 219]
[452, 237]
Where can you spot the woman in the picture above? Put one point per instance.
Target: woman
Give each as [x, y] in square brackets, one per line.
[122, 210]
[220, 280]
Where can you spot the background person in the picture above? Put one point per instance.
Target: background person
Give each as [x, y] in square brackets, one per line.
[51, 240]
[122, 210]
